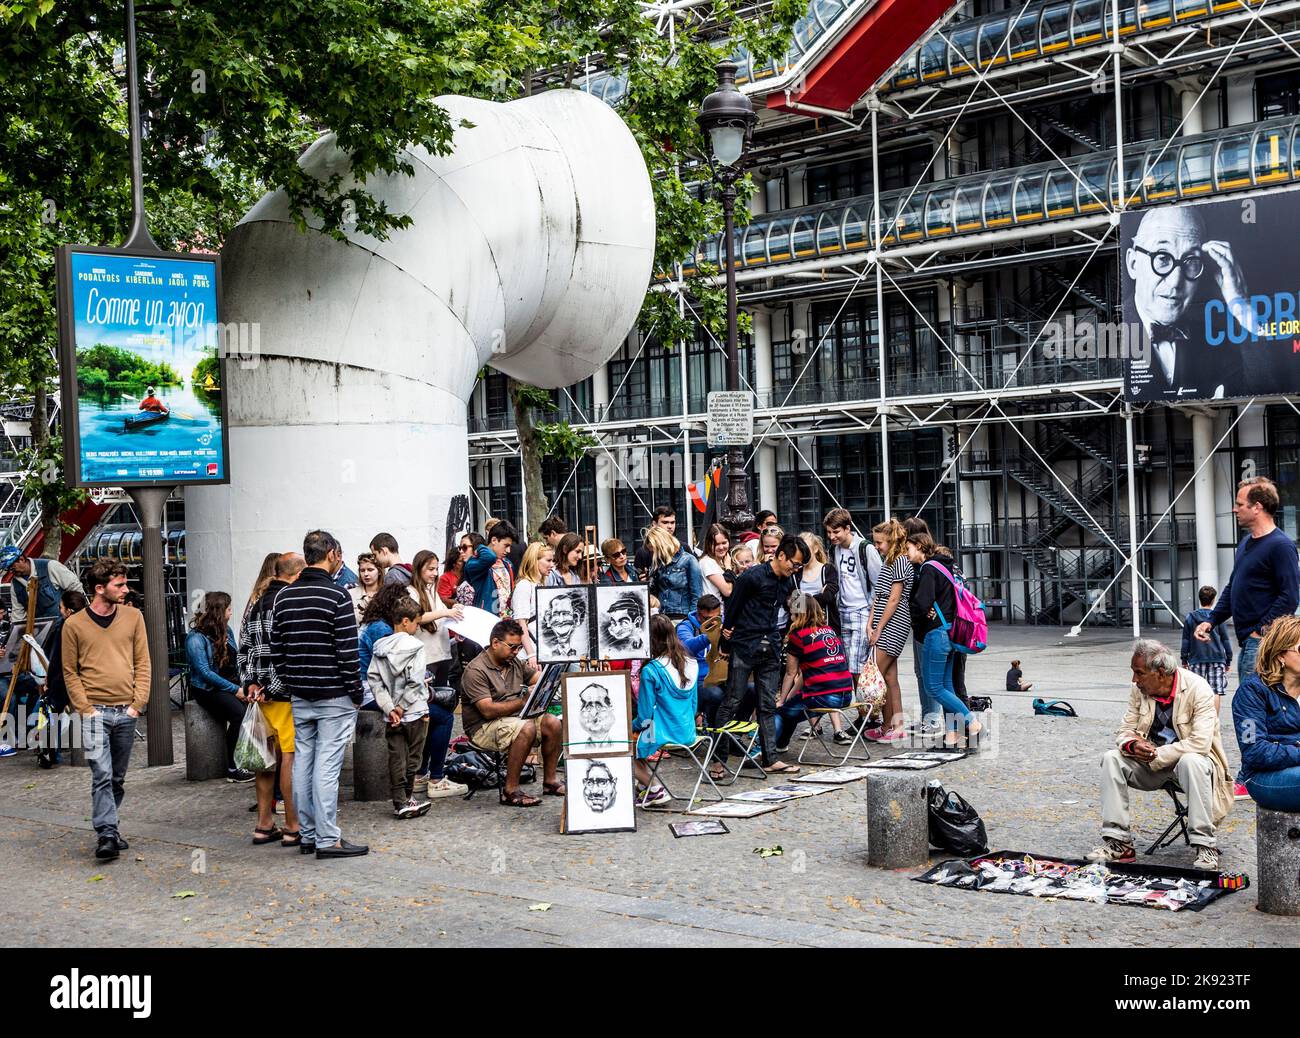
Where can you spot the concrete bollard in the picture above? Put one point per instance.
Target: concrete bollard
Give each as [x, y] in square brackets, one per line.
[370, 757]
[1277, 847]
[897, 820]
[205, 744]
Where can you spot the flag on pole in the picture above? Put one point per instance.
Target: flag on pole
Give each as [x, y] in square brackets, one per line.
[715, 493]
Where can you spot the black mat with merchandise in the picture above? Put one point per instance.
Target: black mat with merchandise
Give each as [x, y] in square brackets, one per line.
[1147, 885]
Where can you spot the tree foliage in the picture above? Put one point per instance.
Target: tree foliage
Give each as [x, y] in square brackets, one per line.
[232, 92]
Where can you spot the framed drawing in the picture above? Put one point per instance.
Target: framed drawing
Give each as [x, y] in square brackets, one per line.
[563, 624]
[597, 714]
[622, 621]
[601, 796]
[598, 622]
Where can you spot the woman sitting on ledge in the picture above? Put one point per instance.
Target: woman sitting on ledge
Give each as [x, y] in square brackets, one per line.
[1266, 716]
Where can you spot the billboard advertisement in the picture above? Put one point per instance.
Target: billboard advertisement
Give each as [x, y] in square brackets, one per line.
[1211, 297]
[143, 376]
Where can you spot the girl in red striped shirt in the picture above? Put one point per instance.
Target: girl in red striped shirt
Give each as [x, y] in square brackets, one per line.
[816, 669]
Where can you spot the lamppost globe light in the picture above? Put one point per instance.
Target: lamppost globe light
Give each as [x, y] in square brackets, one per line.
[726, 143]
[727, 120]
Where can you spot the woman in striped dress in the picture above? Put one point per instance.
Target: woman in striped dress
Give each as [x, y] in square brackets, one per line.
[891, 623]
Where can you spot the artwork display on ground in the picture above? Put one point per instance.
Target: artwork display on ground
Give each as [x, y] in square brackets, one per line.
[916, 760]
[1072, 879]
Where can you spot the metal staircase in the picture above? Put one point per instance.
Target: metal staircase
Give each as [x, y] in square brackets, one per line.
[1067, 575]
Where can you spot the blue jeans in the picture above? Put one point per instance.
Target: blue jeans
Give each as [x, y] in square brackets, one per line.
[1276, 790]
[929, 707]
[321, 731]
[764, 666]
[789, 716]
[1246, 659]
[936, 664]
[435, 745]
[108, 737]
[708, 698]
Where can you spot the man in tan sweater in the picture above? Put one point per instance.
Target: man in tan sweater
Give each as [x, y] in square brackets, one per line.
[106, 669]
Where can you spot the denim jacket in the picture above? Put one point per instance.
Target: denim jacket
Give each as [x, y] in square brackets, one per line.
[1217, 650]
[202, 672]
[1267, 722]
[677, 585]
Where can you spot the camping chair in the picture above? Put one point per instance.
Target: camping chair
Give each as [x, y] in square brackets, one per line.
[701, 765]
[736, 732]
[1176, 828]
[814, 716]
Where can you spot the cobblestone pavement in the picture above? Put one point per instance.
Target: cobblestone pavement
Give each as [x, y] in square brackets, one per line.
[470, 872]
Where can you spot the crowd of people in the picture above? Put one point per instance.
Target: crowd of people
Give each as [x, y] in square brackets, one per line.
[776, 628]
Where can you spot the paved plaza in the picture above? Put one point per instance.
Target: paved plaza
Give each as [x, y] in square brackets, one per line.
[474, 873]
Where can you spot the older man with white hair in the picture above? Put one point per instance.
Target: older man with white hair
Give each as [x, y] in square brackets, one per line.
[1170, 733]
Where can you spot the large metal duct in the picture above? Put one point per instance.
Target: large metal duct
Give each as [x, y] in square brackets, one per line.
[530, 249]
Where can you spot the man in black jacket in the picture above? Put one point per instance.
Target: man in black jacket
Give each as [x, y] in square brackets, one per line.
[751, 639]
[314, 654]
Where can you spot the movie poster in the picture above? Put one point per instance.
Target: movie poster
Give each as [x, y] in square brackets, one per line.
[142, 376]
[1210, 299]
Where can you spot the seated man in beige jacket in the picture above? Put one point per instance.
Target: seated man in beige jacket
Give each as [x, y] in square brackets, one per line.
[1170, 733]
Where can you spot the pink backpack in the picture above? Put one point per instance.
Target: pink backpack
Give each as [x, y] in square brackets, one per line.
[969, 630]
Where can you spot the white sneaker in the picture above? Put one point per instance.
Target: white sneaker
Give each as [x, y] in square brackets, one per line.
[421, 784]
[1111, 850]
[407, 810]
[444, 787]
[657, 795]
[1207, 858]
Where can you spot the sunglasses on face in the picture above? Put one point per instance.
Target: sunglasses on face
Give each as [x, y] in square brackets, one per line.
[1163, 263]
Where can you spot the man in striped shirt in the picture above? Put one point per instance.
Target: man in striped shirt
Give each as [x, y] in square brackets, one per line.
[314, 654]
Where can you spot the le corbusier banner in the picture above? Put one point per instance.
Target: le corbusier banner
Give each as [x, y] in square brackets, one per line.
[1210, 299]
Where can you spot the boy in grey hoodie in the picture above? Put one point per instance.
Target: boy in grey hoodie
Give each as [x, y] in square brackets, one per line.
[396, 677]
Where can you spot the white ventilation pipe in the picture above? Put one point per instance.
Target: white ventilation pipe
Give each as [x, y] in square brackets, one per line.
[530, 249]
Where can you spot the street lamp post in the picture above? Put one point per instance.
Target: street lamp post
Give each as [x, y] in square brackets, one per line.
[727, 119]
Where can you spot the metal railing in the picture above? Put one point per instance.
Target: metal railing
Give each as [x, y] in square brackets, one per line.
[1232, 159]
[1043, 30]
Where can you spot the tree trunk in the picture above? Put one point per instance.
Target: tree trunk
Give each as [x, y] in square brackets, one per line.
[530, 459]
[50, 525]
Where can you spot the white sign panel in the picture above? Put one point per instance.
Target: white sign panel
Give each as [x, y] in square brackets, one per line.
[731, 419]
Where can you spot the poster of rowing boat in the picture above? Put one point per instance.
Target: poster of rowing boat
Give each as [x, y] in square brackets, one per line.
[142, 368]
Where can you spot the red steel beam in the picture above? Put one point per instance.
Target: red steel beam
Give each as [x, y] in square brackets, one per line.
[854, 65]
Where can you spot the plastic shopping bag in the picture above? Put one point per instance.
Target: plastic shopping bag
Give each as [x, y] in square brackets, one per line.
[954, 825]
[254, 751]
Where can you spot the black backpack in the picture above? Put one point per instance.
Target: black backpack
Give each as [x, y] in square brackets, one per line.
[862, 559]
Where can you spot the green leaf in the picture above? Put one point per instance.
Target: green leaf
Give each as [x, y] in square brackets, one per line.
[184, 894]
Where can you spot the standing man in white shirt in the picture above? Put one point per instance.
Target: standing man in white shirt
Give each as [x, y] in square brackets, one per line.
[858, 564]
